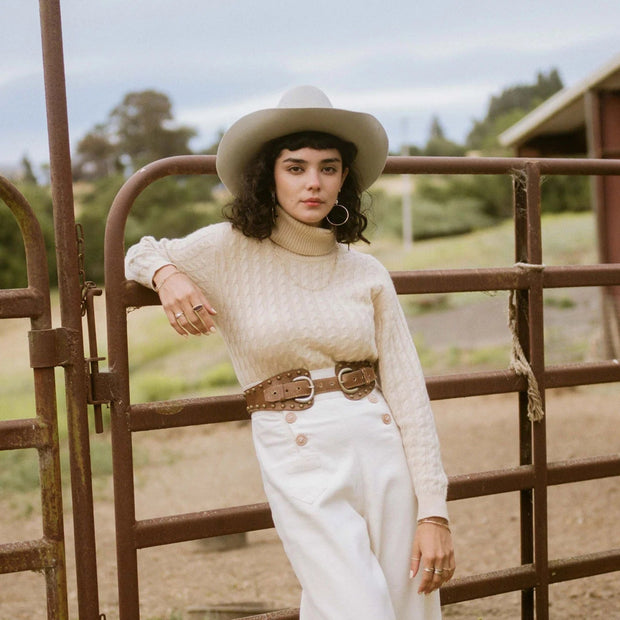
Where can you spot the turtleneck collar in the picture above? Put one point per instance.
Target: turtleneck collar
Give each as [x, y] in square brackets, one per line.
[301, 238]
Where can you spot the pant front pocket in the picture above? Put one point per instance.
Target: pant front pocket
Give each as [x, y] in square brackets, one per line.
[288, 461]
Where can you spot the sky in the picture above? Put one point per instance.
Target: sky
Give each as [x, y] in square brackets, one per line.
[404, 61]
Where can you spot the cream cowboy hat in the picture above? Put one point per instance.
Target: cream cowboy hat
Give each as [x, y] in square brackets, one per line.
[305, 108]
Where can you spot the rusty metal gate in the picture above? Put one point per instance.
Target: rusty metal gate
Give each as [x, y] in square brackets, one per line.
[46, 554]
[64, 346]
[528, 278]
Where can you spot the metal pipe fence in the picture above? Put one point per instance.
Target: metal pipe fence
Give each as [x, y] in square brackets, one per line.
[528, 278]
[40, 432]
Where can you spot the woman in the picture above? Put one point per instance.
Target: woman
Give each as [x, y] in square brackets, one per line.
[341, 419]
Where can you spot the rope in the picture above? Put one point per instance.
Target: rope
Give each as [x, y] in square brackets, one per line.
[518, 360]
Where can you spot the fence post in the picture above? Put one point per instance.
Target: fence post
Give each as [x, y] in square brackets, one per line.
[70, 308]
[525, 438]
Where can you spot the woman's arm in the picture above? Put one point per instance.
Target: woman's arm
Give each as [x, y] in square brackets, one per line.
[404, 388]
[183, 272]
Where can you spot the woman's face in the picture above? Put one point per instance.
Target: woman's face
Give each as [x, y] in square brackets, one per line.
[308, 181]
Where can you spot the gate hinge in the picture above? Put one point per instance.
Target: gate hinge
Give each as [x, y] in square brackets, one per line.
[53, 347]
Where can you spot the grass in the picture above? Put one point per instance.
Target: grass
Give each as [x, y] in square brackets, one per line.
[460, 359]
[567, 239]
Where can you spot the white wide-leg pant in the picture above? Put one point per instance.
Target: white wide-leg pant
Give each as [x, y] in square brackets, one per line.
[343, 504]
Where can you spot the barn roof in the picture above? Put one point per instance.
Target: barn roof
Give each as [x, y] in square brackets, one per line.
[565, 112]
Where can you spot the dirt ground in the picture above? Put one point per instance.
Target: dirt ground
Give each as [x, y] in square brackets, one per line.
[202, 468]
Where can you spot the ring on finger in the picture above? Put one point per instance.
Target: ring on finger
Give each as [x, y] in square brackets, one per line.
[429, 570]
[415, 559]
[178, 315]
[183, 328]
[202, 321]
[197, 308]
[193, 323]
[438, 571]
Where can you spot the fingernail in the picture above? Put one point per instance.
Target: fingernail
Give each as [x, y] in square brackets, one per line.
[213, 311]
[213, 330]
[410, 574]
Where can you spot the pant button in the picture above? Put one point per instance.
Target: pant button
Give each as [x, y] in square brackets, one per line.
[373, 398]
[290, 417]
[301, 440]
[387, 418]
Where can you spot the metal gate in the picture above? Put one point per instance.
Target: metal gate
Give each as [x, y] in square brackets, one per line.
[527, 279]
[46, 554]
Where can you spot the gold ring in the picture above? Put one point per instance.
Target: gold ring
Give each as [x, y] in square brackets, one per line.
[178, 315]
[197, 308]
[429, 570]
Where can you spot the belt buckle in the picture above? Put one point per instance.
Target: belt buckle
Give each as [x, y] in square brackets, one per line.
[305, 399]
[346, 390]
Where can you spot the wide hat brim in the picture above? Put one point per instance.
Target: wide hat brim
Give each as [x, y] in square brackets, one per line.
[242, 142]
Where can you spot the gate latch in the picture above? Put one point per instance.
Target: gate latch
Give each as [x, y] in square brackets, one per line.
[99, 384]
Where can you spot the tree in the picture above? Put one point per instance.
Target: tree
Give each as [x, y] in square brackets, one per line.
[436, 131]
[97, 156]
[12, 254]
[525, 96]
[141, 126]
[137, 131]
[508, 107]
[28, 175]
[438, 144]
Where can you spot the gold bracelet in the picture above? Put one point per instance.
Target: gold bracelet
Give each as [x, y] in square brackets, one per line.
[158, 287]
[439, 523]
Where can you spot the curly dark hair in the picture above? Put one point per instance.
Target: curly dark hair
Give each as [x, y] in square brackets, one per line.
[253, 211]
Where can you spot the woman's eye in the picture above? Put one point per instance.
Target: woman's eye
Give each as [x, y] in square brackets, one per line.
[295, 169]
[330, 170]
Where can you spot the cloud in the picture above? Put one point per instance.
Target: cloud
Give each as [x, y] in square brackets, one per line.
[384, 103]
[12, 73]
[211, 118]
[417, 98]
[531, 40]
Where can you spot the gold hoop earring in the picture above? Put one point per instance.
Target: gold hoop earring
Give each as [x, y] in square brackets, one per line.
[344, 220]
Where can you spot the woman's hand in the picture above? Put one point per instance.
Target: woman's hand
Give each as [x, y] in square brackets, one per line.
[186, 307]
[433, 554]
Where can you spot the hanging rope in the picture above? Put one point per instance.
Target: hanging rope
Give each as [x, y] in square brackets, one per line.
[518, 360]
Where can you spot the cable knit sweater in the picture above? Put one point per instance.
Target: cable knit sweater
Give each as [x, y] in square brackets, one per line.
[300, 299]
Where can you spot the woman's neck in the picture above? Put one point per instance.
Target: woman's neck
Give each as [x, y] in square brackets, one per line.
[301, 238]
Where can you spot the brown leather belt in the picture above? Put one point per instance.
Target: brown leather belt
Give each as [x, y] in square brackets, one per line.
[296, 389]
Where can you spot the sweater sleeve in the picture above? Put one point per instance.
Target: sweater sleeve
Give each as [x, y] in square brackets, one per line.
[194, 255]
[404, 388]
